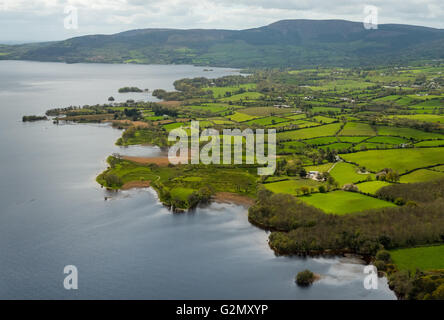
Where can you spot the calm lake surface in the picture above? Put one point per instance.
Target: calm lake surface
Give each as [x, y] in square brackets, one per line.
[53, 213]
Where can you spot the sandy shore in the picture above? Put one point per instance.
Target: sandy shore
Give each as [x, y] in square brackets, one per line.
[228, 197]
[160, 161]
[135, 184]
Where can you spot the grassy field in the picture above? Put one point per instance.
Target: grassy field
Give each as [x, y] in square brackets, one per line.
[430, 143]
[401, 160]
[265, 111]
[339, 146]
[241, 117]
[321, 131]
[171, 126]
[372, 187]
[323, 119]
[243, 96]
[351, 139]
[343, 202]
[321, 168]
[266, 121]
[423, 117]
[357, 129]
[408, 133]
[387, 139]
[347, 173]
[421, 176]
[424, 258]
[292, 186]
[321, 141]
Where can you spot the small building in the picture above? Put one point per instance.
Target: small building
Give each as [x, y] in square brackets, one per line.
[313, 175]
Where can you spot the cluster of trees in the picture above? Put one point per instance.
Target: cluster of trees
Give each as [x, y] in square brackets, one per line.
[151, 135]
[130, 89]
[33, 118]
[305, 278]
[318, 156]
[419, 285]
[413, 192]
[112, 180]
[171, 96]
[306, 230]
[365, 233]
[203, 195]
[388, 174]
[291, 167]
[161, 110]
[133, 114]
[282, 212]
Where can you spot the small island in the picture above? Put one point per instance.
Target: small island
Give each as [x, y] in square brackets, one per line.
[33, 118]
[130, 89]
[306, 278]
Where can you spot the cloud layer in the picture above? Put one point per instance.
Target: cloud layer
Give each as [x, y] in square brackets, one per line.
[39, 20]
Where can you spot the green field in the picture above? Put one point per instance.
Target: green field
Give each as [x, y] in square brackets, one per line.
[308, 133]
[266, 121]
[408, 133]
[347, 173]
[265, 111]
[339, 146]
[240, 117]
[172, 126]
[181, 193]
[321, 168]
[423, 258]
[357, 129]
[372, 187]
[323, 119]
[423, 117]
[386, 139]
[343, 202]
[430, 143]
[244, 96]
[352, 139]
[321, 141]
[401, 160]
[291, 186]
[421, 175]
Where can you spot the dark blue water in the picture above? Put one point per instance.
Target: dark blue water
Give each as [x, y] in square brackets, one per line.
[53, 213]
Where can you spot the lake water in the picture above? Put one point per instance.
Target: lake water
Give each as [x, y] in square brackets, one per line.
[53, 213]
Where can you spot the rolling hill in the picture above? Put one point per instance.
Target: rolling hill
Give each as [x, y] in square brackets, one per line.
[286, 43]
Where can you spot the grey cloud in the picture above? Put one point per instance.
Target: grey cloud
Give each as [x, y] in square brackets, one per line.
[43, 19]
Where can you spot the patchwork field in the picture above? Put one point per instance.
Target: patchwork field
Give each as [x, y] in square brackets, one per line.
[372, 187]
[421, 176]
[387, 139]
[401, 160]
[343, 202]
[423, 258]
[292, 186]
[347, 173]
[408, 133]
[241, 117]
[326, 130]
[357, 129]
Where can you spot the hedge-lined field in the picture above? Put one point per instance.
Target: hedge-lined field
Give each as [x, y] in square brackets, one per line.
[401, 160]
[343, 202]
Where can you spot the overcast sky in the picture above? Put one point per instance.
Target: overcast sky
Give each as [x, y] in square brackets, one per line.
[39, 20]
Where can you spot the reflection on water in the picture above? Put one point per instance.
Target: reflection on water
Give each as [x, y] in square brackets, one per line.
[53, 212]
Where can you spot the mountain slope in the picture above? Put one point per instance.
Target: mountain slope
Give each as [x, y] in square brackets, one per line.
[294, 43]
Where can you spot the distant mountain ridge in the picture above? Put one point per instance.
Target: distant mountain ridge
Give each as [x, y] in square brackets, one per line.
[286, 43]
